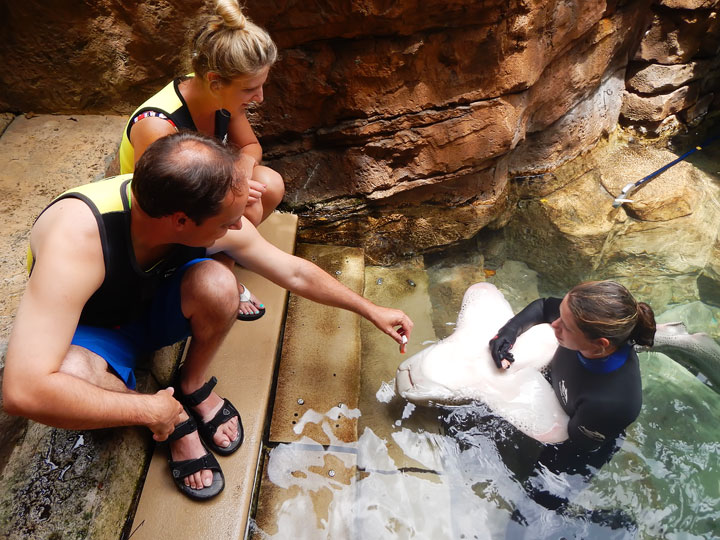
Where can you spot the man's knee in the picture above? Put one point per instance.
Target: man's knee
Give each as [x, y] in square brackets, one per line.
[211, 287]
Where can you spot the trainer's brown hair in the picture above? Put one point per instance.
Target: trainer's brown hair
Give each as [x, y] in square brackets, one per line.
[226, 42]
[607, 309]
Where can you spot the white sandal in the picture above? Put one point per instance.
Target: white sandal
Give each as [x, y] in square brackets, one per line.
[246, 296]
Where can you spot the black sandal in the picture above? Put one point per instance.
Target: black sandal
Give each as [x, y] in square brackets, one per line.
[207, 429]
[181, 469]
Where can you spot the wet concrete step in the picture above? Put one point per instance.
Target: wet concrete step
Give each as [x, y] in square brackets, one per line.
[245, 368]
[315, 478]
[315, 408]
[319, 371]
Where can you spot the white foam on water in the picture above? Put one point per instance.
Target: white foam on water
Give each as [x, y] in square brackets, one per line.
[424, 448]
[313, 417]
[408, 410]
[383, 502]
[386, 392]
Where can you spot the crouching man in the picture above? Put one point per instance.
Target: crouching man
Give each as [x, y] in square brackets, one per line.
[120, 268]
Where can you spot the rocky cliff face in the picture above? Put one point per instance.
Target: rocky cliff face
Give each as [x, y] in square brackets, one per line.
[399, 126]
[673, 77]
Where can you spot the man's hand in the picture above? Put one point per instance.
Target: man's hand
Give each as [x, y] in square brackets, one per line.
[500, 347]
[386, 319]
[166, 410]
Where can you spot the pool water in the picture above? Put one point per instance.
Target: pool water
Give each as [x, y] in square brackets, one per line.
[461, 473]
[457, 473]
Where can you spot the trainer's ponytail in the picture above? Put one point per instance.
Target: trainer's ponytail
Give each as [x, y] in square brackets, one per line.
[644, 331]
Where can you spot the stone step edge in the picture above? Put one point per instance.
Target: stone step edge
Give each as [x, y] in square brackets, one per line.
[319, 367]
[244, 366]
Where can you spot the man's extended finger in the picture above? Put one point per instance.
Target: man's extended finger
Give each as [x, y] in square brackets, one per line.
[406, 326]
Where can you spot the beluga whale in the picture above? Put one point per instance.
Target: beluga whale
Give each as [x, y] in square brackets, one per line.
[459, 369]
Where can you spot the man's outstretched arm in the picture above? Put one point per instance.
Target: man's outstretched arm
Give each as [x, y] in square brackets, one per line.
[68, 270]
[306, 279]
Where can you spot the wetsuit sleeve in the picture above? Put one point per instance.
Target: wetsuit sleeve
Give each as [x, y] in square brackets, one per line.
[589, 433]
[542, 310]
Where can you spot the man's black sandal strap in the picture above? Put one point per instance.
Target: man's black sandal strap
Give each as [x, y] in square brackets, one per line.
[201, 394]
[183, 428]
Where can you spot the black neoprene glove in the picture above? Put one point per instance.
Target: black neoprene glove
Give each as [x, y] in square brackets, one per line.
[500, 346]
[542, 310]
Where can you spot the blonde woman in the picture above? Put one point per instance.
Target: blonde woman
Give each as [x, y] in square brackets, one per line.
[230, 57]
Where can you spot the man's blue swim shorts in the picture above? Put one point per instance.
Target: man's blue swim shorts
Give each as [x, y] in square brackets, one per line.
[163, 324]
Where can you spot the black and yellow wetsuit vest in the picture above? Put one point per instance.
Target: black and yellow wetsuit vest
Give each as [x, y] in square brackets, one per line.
[169, 105]
[127, 289]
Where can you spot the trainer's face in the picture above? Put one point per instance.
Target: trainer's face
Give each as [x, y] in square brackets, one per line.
[217, 226]
[571, 337]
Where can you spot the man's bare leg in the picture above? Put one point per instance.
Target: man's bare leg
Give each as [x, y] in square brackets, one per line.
[210, 299]
[93, 368]
[84, 364]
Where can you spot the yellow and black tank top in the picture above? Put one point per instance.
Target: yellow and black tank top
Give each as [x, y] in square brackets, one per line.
[169, 105]
[127, 290]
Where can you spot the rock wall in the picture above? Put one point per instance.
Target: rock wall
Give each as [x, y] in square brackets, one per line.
[673, 77]
[396, 125]
[663, 244]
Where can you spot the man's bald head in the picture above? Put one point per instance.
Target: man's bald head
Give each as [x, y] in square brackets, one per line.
[186, 172]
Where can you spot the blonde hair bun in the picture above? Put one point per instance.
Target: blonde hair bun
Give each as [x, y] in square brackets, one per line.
[226, 42]
[231, 14]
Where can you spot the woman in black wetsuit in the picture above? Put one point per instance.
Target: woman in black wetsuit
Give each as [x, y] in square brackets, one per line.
[595, 372]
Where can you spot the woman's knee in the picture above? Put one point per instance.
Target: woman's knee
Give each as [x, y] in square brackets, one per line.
[273, 181]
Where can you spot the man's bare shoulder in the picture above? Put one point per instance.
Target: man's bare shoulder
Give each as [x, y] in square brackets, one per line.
[66, 236]
[68, 218]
